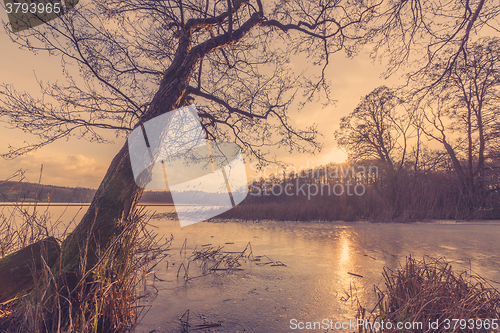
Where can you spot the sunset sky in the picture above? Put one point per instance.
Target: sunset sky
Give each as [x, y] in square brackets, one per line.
[77, 162]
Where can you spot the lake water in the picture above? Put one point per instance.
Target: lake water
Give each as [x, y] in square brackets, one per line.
[314, 285]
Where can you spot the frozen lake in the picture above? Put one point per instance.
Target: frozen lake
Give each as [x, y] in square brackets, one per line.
[314, 285]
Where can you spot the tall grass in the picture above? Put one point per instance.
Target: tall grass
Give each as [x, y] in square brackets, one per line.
[105, 298]
[23, 224]
[430, 291]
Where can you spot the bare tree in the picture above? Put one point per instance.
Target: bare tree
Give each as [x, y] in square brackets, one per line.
[378, 130]
[462, 112]
[419, 33]
[138, 59]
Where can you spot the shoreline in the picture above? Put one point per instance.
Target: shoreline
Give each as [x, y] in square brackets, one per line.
[171, 216]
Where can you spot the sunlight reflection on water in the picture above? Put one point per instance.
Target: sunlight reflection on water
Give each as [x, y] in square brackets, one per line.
[316, 283]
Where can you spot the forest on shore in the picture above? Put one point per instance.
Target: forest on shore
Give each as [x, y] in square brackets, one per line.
[369, 191]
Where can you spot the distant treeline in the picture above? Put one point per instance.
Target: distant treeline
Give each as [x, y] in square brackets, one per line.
[30, 192]
[367, 191]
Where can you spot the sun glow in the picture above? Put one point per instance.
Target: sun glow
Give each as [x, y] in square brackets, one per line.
[334, 156]
[344, 250]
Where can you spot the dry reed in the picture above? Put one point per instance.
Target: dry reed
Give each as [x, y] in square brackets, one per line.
[429, 291]
[106, 297]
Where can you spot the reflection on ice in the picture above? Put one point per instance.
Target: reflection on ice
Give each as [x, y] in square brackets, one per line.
[315, 284]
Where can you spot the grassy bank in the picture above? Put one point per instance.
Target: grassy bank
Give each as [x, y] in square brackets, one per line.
[419, 202]
[346, 209]
[105, 298]
[430, 292]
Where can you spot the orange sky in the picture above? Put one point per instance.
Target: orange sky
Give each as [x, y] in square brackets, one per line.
[80, 163]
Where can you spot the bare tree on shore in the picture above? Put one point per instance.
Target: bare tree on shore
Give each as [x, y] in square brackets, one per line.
[462, 112]
[140, 59]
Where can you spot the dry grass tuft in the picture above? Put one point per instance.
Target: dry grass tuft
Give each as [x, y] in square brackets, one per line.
[106, 297]
[428, 291]
[104, 300]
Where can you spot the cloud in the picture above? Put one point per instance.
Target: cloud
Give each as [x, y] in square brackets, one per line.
[61, 170]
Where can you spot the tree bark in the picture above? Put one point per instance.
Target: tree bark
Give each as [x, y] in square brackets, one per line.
[17, 270]
[106, 217]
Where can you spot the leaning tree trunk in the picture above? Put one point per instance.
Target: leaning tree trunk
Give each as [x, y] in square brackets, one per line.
[106, 217]
[19, 269]
[116, 198]
[118, 195]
